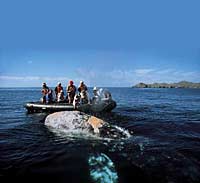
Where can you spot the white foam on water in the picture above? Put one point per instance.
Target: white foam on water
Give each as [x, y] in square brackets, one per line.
[102, 169]
[125, 132]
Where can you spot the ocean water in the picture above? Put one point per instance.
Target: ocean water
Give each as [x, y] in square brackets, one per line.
[164, 145]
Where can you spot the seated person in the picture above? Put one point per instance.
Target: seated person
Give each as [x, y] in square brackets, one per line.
[84, 99]
[106, 95]
[76, 102]
[96, 98]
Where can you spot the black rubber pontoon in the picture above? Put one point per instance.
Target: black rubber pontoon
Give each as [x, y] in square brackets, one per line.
[53, 107]
[104, 106]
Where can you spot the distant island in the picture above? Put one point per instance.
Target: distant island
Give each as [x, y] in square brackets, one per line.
[182, 84]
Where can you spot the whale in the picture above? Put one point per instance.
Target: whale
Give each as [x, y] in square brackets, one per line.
[76, 122]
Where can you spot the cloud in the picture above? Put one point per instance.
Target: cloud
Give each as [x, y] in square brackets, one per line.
[165, 71]
[130, 77]
[33, 78]
[55, 79]
[31, 81]
[143, 71]
[114, 77]
[87, 75]
[120, 77]
[18, 78]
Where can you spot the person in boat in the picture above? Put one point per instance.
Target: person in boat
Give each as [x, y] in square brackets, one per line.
[96, 98]
[107, 95]
[82, 87]
[50, 96]
[81, 98]
[77, 100]
[45, 91]
[58, 90]
[84, 98]
[60, 96]
[71, 91]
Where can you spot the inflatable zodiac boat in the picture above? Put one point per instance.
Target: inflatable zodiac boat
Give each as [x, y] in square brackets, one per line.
[103, 106]
[103, 103]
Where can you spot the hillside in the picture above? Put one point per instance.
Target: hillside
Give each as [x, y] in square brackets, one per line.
[181, 84]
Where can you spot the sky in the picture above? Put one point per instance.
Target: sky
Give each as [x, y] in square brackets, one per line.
[104, 43]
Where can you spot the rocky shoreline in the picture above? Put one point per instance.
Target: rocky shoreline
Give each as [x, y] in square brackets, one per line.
[182, 84]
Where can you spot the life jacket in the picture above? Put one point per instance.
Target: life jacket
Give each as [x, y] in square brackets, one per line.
[71, 89]
[59, 88]
[82, 87]
[45, 90]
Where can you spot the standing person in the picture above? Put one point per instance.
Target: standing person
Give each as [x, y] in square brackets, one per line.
[61, 97]
[71, 91]
[82, 87]
[58, 89]
[45, 91]
[50, 96]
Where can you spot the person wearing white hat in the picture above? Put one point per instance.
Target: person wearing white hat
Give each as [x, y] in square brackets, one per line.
[96, 97]
[82, 87]
[95, 88]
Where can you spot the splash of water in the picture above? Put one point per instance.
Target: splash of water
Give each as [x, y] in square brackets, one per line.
[123, 131]
[102, 169]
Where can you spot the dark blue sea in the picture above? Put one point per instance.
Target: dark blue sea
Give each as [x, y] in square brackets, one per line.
[164, 146]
